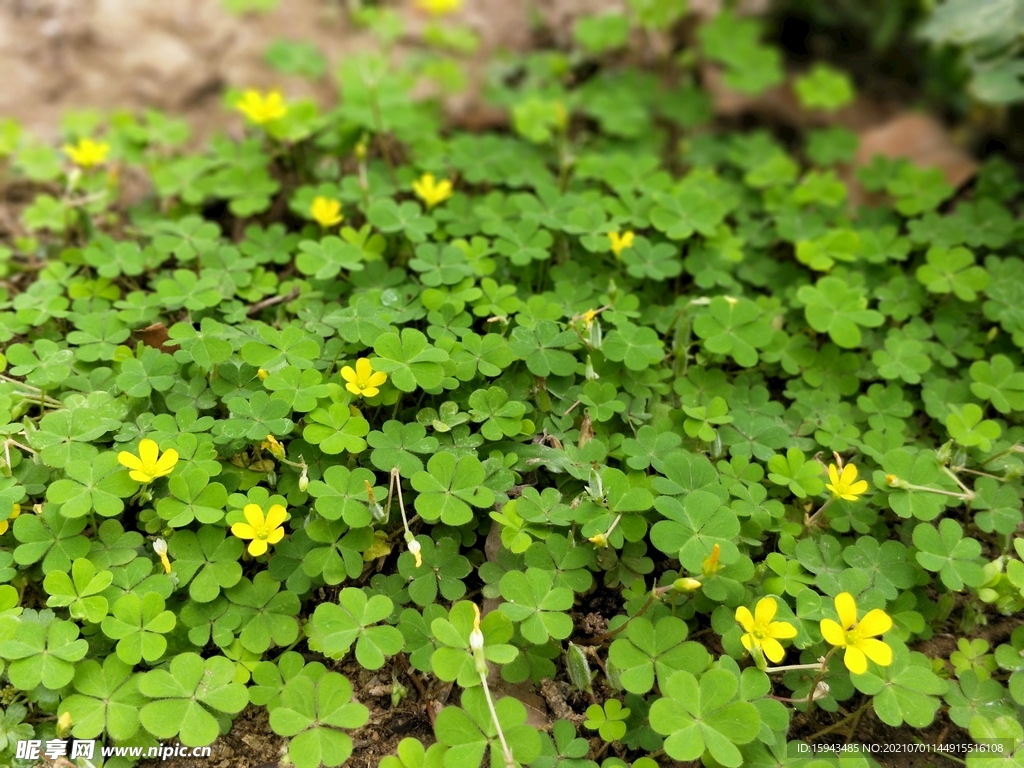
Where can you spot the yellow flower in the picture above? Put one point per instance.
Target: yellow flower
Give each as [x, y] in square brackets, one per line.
[599, 540]
[621, 242]
[262, 374]
[5, 524]
[588, 317]
[262, 109]
[843, 485]
[275, 448]
[439, 7]
[431, 191]
[149, 464]
[761, 631]
[858, 637]
[87, 152]
[263, 530]
[363, 380]
[326, 212]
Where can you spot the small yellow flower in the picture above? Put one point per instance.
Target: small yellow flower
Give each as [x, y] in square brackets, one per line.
[858, 637]
[599, 540]
[262, 374]
[761, 631]
[87, 152]
[843, 486]
[326, 212]
[263, 530]
[588, 317]
[363, 380]
[431, 191]
[439, 7]
[262, 109]
[621, 242]
[160, 547]
[5, 524]
[149, 464]
[476, 637]
[275, 448]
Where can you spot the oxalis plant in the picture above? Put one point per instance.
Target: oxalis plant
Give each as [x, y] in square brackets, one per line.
[613, 404]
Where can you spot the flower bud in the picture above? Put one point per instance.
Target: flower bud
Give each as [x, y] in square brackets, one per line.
[686, 584]
[895, 482]
[271, 444]
[599, 540]
[414, 550]
[160, 547]
[304, 480]
[711, 565]
[820, 690]
[64, 725]
[262, 374]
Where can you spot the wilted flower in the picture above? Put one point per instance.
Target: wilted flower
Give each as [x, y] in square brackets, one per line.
[415, 549]
[160, 547]
[275, 448]
[149, 464]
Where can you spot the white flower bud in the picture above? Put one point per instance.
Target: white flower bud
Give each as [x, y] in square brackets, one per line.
[476, 639]
[160, 547]
[414, 550]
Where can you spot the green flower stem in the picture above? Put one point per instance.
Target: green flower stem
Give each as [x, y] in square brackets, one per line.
[957, 480]
[820, 676]
[656, 593]
[396, 482]
[793, 667]
[965, 496]
[509, 761]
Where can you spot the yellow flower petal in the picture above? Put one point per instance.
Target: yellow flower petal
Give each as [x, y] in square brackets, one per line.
[849, 474]
[275, 536]
[254, 515]
[140, 476]
[243, 531]
[875, 622]
[876, 650]
[765, 610]
[369, 392]
[748, 641]
[833, 474]
[859, 487]
[363, 368]
[129, 460]
[257, 547]
[846, 607]
[833, 633]
[773, 650]
[353, 388]
[348, 374]
[855, 660]
[745, 619]
[276, 516]
[4, 525]
[166, 462]
[378, 378]
[148, 452]
[781, 630]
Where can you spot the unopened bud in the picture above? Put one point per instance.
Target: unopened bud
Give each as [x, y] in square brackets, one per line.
[262, 374]
[589, 373]
[820, 691]
[64, 725]
[895, 482]
[160, 547]
[686, 584]
[304, 480]
[711, 565]
[414, 550]
[599, 540]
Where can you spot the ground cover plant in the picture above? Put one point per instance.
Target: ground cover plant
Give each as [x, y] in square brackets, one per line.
[618, 403]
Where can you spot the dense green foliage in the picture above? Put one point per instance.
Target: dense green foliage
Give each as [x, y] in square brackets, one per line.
[626, 344]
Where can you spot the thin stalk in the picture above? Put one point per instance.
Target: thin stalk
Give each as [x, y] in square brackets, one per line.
[509, 761]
